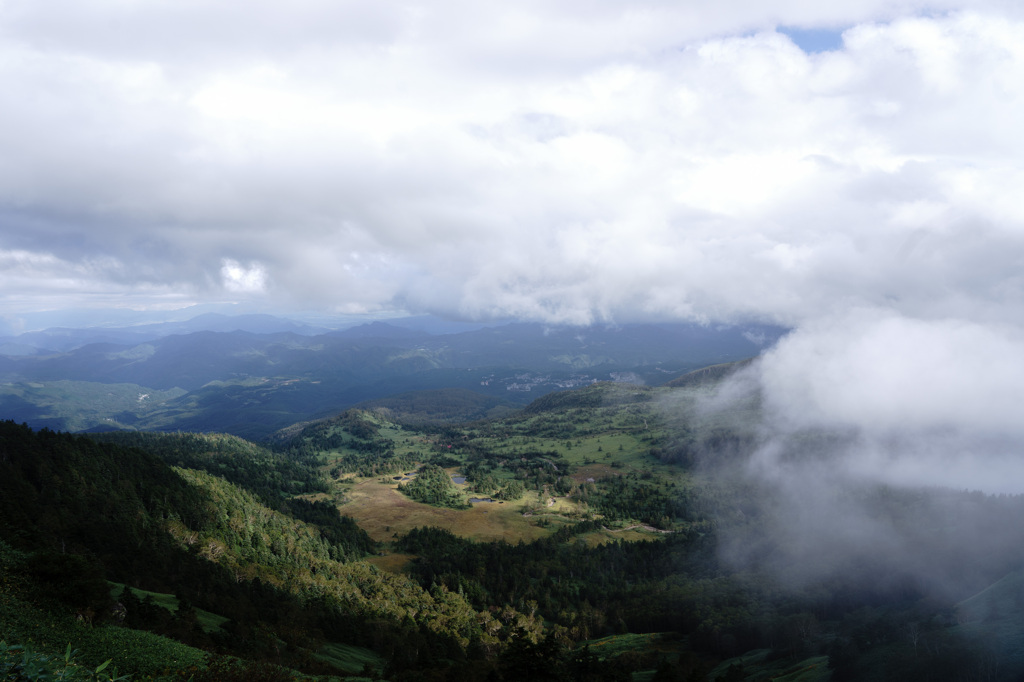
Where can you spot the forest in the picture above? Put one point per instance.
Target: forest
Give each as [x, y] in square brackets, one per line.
[592, 535]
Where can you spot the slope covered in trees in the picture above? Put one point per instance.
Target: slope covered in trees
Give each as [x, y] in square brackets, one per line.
[87, 512]
[723, 562]
[631, 542]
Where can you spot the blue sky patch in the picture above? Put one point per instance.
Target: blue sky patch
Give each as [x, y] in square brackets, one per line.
[812, 40]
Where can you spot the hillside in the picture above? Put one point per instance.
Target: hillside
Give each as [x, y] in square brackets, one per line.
[575, 473]
[85, 513]
[599, 533]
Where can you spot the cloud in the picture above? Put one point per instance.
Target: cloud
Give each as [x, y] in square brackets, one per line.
[915, 401]
[858, 435]
[856, 413]
[533, 161]
[871, 397]
[239, 279]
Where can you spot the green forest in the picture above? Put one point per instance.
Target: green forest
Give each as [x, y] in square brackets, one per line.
[592, 535]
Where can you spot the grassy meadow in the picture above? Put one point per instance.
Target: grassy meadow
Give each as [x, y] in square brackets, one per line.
[383, 512]
[576, 447]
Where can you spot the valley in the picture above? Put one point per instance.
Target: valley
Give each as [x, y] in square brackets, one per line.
[511, 342]
[610, 531]
[254, 383]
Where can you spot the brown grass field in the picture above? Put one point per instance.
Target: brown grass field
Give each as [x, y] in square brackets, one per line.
[382, 511]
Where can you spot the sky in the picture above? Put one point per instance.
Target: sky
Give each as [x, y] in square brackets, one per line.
[568, 162]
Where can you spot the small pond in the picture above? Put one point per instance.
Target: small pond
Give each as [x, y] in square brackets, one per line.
[458, 479]
[474, 500]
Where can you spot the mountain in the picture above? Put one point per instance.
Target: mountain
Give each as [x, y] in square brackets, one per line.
[278, 584]
[251, 383]
[63, 339]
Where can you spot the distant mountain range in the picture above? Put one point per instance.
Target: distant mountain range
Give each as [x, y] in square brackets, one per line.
[253, 374]
[62, 339]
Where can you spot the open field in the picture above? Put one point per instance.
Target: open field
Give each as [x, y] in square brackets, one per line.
[585, 445]
[603, 537]
[382, 512]
[616, 645]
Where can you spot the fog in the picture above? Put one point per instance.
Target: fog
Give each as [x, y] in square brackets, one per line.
[930, 401]
[884, 449]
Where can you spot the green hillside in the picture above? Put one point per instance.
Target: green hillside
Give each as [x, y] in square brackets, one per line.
[599, 533]
[83, 513]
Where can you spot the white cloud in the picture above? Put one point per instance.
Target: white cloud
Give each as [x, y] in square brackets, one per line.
[876, 370]
[534, 160]
[239, 279]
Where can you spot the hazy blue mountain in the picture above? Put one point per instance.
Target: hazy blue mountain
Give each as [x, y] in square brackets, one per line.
[251, 383]
[435, 325]
[379, 330]
[62, 339]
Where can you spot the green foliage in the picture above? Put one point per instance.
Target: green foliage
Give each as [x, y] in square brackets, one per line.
[140, 609]
[513, 491]
[21, 663]
[627, 497]
[339, 531]
[73, 579]
[227, 669]
[284, 576]
[70, 495]
[28, 617]
[433, 485]
[571, 583]
[82, 405]
[135, 652]
[271, 476]
[351, 659]
[354, 443]
[284, 584]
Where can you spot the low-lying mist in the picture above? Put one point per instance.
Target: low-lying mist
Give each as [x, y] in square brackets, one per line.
[878, 450]
[925, 402]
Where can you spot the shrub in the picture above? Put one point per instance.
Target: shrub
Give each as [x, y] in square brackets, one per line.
[20, 663]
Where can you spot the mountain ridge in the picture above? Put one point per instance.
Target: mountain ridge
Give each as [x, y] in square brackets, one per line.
[253, 383]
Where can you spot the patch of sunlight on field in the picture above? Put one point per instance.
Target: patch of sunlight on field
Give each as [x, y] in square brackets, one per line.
[615, 645]
[560, 505]
[383, 512]
[596, 471]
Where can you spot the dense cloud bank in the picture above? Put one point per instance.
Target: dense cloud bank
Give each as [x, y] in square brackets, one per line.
[566, 163]
[881, 448]
[930, 401]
